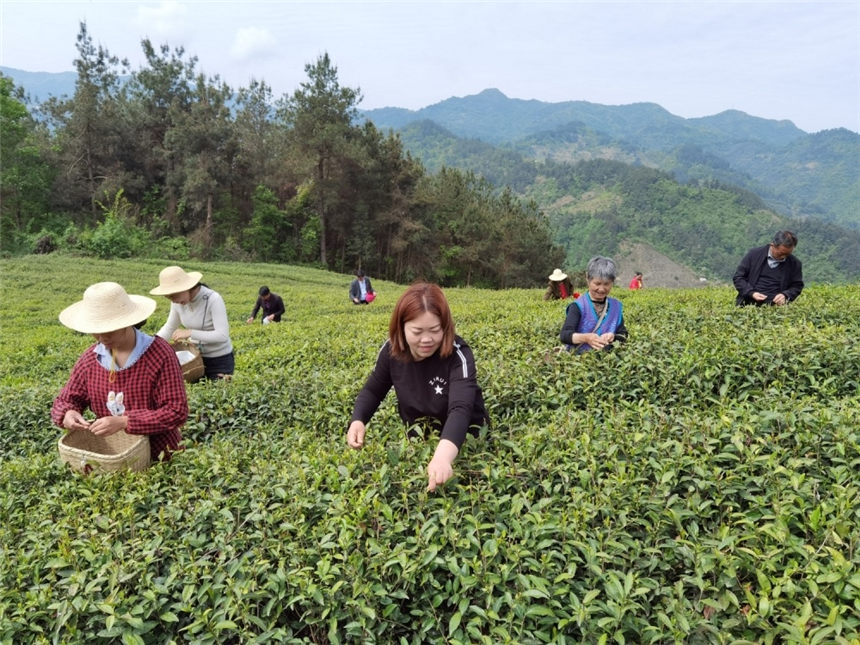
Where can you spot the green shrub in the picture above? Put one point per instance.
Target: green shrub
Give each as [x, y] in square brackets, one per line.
[698, 485]
[171, 248]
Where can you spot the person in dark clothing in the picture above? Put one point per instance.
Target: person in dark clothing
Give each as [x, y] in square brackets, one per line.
[272, 305]
[360, 290]
[432, 371]
[770, 274]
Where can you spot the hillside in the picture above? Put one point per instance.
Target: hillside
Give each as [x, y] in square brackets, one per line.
[607, 178]
[799, 174]
[595, 205]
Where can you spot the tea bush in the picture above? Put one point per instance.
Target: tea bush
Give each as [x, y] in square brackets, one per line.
[698, 485]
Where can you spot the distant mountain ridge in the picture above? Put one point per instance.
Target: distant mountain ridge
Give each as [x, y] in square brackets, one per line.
[693, 191]
[39, 86]
[798, 173]
[493, 117]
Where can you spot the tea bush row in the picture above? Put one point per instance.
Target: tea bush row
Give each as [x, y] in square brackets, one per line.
[696, 486]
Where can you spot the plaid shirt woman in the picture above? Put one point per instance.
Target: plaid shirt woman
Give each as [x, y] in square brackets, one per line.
[131, 381]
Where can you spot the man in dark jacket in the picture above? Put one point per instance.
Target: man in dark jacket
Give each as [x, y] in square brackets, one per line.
[272, 305]
[361, 291]
[770, 274]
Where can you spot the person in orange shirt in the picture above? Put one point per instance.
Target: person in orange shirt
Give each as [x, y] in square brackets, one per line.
[636, 281]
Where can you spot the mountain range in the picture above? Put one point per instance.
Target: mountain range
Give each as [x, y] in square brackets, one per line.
[39, 86]
[679, 198]
[797, 173]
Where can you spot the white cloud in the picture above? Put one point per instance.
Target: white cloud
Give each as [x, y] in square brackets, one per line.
[166, 20]
[252, 42]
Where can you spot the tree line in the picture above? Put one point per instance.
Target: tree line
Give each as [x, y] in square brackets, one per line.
[168, 162]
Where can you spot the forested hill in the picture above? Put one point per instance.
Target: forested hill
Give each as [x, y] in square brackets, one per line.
[168, 162]
[598, 205]
[797, 173]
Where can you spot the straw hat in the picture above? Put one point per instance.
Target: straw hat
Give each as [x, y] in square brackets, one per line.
[175, 280]
[557, 276]
[106, 307]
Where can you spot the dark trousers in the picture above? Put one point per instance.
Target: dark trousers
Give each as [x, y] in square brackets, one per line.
[213, 366]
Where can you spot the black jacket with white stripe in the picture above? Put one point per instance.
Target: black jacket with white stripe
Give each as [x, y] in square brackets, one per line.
[443, 389]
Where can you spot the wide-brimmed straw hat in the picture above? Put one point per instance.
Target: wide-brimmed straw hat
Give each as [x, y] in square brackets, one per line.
[106, 307]
[557, 275]
[175, 280]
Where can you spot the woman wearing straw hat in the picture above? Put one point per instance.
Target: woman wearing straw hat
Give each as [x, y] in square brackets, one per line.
[203, 314]
[130, 380]
[560, 287]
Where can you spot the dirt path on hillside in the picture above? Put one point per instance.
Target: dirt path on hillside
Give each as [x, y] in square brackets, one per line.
[658, 270]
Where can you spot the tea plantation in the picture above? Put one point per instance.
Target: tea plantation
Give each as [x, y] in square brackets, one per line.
[700, 485]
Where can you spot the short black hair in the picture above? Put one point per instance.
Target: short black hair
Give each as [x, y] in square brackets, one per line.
[264, 291]
[785, 238]
[359, 274]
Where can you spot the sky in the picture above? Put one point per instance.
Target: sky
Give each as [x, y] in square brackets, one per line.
[797, 60]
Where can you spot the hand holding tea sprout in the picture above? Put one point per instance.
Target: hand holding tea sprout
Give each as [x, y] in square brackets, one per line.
[180, 334]
[598, 341]
[106, 426]
[74, 420]
[355, 435]
[441, 469]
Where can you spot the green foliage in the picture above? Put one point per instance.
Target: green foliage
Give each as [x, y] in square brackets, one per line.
[116, 236]
[269, 230]
[171, 248]
[484, 238]
[291, 180]
[697, 485]
[708, 227]
[593, 205]
[189, 154]
[25, 175]
[799, 174]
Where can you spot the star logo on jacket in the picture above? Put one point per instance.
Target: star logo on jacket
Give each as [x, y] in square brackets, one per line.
[438, 384]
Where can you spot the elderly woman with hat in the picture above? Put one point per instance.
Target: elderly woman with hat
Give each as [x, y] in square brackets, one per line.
[131, 381]
[560, 287]
[202, 313]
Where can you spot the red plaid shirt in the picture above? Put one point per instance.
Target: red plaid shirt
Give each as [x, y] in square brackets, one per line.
[153, 395]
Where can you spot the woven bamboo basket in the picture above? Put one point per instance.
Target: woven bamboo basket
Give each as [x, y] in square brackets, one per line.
[84, 451]
[190, 360]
